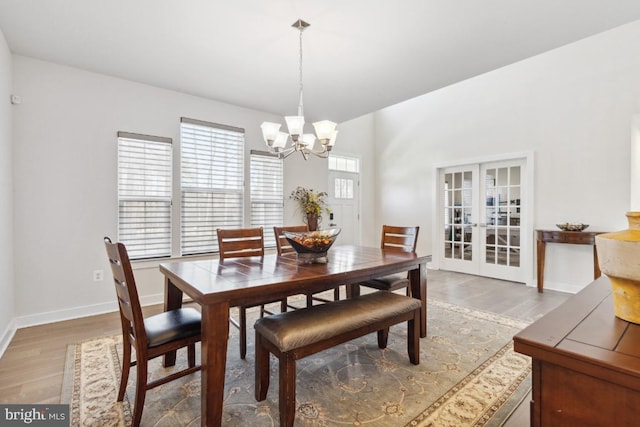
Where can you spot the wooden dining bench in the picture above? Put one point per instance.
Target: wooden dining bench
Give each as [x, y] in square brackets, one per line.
[296, 334]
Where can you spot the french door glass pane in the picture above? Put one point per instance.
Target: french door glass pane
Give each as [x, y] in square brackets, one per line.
[458, 209]
[502, 216]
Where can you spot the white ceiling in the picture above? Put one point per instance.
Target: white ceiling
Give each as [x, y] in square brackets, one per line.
[359, 55]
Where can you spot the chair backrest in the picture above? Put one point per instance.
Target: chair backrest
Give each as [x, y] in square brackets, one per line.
[402, 239]
[240, 242]
[282, 244]
[126, 291]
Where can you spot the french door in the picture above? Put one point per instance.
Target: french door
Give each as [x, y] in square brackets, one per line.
[483, 219]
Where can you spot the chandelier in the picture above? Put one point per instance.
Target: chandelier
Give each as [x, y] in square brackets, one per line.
[304, 143]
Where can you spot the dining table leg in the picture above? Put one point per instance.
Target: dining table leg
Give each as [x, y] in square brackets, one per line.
[172, 301]
[215, 335]
[418, 283]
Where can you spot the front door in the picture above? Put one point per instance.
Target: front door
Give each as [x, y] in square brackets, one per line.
[344, 197]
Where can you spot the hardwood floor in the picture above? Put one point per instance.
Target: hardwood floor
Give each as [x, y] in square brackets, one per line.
[497, 296]
[31, 370]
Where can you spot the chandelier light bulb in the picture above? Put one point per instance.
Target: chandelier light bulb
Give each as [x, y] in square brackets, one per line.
[332, 140]
[281, 140]
[309, 140]
[295, 124]
[324, 129]
[270, 132]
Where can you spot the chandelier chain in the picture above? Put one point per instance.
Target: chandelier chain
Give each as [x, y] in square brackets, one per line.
[300, 101]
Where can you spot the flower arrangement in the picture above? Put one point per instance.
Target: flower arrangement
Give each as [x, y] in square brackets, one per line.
[311, 202]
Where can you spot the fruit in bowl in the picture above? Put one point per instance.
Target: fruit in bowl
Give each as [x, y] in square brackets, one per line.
[312, 241]
[567, 226]
[312, 246]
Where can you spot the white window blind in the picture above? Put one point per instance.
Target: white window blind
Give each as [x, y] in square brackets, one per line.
[144, 195]
[267, 193]
[212, 183]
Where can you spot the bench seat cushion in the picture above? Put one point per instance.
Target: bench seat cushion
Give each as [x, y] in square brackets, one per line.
[295, 329]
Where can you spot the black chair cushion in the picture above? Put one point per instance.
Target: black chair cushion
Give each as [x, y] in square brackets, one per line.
[392, 282]
[172, 325]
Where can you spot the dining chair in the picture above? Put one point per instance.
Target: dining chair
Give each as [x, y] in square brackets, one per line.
[238, 243]
[152, 336]
[394, 238]
[284, 247]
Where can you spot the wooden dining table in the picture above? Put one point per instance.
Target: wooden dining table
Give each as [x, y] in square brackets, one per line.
[217, 286]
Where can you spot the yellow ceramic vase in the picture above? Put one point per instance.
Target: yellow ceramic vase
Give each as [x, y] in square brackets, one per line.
[619, 258]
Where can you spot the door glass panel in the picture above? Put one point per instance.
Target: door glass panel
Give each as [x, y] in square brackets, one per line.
[458, 212]
[491, 245]
[343, 188]
[502, 216]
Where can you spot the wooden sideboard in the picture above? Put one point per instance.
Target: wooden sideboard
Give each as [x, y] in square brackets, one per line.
[586, 363]
[558, 236]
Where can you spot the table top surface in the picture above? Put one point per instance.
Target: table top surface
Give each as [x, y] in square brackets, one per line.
[585, 332]
[239, 280]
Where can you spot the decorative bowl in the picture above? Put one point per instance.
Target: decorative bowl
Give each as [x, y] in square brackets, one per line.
[567, 226]
[311, 246]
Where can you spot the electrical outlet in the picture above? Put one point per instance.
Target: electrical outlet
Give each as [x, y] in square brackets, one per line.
[98, 275]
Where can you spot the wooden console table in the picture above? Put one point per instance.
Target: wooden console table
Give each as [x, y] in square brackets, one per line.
[586, 363]
[572, 237]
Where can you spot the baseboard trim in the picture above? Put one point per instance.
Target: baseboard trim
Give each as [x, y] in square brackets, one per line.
[562, 287]
[78, 312]
[7, 336]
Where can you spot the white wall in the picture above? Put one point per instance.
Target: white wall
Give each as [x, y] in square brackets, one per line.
[7, 301]
[356, 138]
[572, 107]
[65, 186]
[634, 196]
[310, 174]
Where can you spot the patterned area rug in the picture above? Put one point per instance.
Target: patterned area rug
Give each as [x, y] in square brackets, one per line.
[468, 376]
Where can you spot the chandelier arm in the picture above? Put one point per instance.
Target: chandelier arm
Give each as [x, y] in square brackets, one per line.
[289, 151]
[317, 152]
[322, 154]
[286, 153]
[282, 154]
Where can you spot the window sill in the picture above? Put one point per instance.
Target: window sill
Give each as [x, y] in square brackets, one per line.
[147, 264]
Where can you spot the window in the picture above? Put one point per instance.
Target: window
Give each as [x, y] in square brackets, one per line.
[267, 193]
[212, 183]
[343, 188]
[344, 163]
[144, 195]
